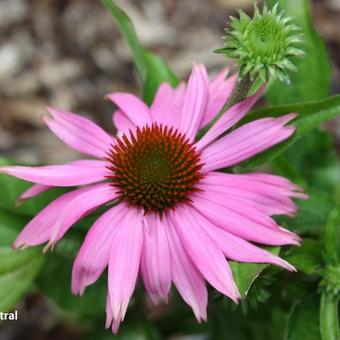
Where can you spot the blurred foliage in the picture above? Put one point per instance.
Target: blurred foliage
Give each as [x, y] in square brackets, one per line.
[12, 188]
[312, 80]
[17, 269]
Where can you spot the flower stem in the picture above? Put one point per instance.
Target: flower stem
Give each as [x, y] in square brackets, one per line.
[238, 94]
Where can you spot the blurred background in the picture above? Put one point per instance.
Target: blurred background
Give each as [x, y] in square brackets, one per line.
[69, 54]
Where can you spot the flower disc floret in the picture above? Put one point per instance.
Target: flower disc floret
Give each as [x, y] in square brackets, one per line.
[155, 168]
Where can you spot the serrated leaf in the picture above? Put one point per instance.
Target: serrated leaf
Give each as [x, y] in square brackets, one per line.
[246, 273]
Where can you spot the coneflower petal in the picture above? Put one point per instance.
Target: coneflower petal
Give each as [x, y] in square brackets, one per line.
[79, 133]
[155, 261]
[237, 249]
[229, 119]
[124, 262]
[66, 175]
[94, 254]
[246, 141]
[195, 102]
[187, 279]
[122, 122]
[167, 104]
[256, 228]
[135, 109]
[54, 220]
[220, 89]
[203, 252]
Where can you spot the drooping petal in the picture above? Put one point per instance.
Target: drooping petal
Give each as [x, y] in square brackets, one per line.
[109, 314]
[247, 190]
[247, 223]
[255, 201]
[88, 172]
[155, 261]
[229, 119]
[54, 220]
[109, 317]
[124, 261]
[167, 105]
[79, 133]
[195, 102]
[187, 279]
[220, 89]
[38, 189]
[134, 109]
[93, 256]
[237, 249]
[204, 252]
[246, 141]
[282, 184]
[33, 191]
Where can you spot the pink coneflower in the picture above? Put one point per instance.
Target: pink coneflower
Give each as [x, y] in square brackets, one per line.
[172, 216]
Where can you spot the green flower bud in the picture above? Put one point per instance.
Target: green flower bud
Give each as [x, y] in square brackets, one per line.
[263, 45]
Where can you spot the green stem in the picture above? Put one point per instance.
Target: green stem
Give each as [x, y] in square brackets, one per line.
[238, 94]
[329, 317]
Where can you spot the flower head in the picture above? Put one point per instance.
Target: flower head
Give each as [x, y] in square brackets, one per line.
[172, 215]
[155, 168]
[263, 45]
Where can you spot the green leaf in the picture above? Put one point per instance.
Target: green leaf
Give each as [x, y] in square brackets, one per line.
[152, 69]
[312, 214]
[283, 167]
[133, 328]
[55, 281]
[311, 115]
[332, 237]
[316, 160]
[10, 226]
[17, 269]
[128, 32]
[308, 257]
[246, 273]
[303, 321]
[157, 73]
[306, 85]
[11, 188]
[17, 272]
[329, 317]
